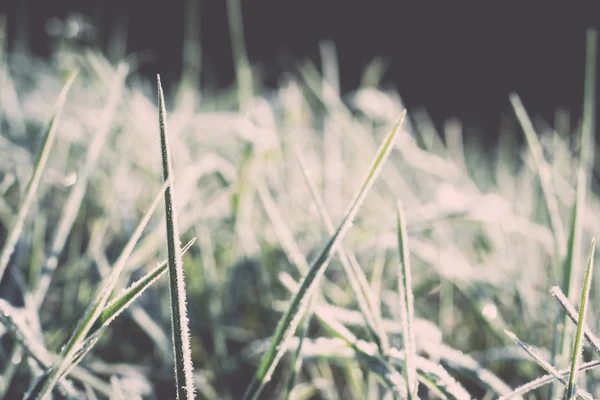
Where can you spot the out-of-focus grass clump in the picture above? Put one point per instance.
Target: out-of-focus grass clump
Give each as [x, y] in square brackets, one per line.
[449, 248]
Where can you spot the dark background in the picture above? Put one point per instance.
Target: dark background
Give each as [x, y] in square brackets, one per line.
[460, 61]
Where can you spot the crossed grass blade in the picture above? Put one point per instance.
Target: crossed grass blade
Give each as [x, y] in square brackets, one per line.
[291, 318]
[547, 366]
[547, 379]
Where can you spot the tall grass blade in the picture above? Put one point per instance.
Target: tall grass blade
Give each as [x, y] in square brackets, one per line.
[406, 305]
[184, 378]
[585, 293]
[40, 166]
[289, 322]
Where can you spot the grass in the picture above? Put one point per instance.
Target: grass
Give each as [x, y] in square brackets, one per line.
[439, 279]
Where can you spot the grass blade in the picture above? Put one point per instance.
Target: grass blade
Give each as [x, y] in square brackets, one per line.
[288, 323]
[184, 378]
[581, 322]
[406, 305]
[40, 166]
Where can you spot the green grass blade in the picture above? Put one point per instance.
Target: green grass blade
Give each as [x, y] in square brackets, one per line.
[184, 377]
[40, 166]
[289, 322]
[406, 305]
[585, 293]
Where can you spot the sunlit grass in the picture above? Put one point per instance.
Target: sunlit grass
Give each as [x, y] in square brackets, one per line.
[399, 301]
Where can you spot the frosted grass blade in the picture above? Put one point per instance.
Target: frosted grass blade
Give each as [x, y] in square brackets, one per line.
[291, 318]
[184, 370]
[40, 166]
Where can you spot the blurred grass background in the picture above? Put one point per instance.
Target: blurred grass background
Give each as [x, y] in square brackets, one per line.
[485, 246]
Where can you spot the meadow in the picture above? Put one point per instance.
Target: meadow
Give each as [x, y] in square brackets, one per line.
[294, 243]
